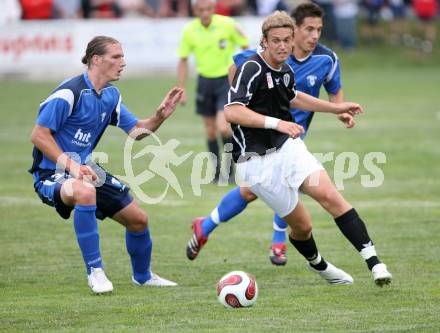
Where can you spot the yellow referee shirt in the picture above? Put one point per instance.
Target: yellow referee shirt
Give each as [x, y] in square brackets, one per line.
[213, 46]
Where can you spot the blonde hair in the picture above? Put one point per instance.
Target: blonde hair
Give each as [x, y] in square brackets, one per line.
[278, 19]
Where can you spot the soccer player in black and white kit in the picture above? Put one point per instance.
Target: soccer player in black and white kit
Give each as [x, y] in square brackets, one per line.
[274, 163]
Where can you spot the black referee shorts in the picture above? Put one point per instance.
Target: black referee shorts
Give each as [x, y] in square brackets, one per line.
[212, 95]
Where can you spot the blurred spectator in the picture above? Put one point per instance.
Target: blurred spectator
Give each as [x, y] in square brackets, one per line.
[11, 11]
[153, 7]
[372, 31]
[230, 7]
[426, 12]
[373, 8]
[266, 7]
[135, 8]
[398, 24]
[346, 23]
[101, 9]
[67, 9]
[329, 31]
[36, 9]
[174, 8]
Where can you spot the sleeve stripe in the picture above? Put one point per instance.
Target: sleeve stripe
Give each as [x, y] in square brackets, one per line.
[232, 103]
[237, 84]
[118, 110]
[65, 94]
[332, 71]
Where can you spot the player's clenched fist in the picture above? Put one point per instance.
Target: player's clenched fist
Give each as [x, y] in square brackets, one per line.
[350, 108]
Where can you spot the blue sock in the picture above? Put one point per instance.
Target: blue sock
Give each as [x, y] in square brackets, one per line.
[231, 205]
[86, 229]
[279, 230]
[139, 245]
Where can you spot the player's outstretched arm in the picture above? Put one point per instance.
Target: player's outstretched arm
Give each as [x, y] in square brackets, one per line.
[241, 115]
[306, 102]
[163, 112]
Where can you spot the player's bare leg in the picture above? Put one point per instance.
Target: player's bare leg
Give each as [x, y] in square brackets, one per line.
[211, 135]
[224, 128]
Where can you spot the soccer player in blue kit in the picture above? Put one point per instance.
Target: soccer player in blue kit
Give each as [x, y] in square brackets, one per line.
[314, 65]
[69, 125]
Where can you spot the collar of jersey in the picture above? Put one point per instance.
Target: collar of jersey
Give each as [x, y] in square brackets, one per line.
[303, 60]
[88, 83]
[211, 25]
[274, 69]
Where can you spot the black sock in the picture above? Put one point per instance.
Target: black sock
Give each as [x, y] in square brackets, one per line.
[372, 261]
[309, 250]
[355, 231]
[230, 170]
[213, 148]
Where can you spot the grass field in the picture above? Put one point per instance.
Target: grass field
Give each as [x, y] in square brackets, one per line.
[42, 282]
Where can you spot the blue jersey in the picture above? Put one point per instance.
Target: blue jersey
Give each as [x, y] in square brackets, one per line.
[320, 68]
[77, 117]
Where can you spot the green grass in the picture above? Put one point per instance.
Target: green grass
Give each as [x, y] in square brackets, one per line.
[42, 281]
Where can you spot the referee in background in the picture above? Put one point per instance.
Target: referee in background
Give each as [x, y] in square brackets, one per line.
[212, 39]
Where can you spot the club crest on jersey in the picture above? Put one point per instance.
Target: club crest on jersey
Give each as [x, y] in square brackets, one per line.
[286, 79]
[311, 80]
[269, 80]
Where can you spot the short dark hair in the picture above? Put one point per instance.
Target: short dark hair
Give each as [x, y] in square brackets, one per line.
[304, 10]
[97, 46]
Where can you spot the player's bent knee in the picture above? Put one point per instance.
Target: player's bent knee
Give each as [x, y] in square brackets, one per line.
[211, 135]
[302, 230]
[247, 195]
[139, 222]
[83, 193]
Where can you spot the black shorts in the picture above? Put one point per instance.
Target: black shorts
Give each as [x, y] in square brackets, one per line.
[111, 197]
[212, 95]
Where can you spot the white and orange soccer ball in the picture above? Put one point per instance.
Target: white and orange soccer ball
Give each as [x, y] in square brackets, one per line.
[237, 289]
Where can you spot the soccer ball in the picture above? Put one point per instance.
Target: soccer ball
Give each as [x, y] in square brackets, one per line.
[237, 289]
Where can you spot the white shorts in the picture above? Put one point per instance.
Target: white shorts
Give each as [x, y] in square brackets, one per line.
[276, 177]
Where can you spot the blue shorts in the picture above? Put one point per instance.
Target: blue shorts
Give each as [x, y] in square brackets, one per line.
[111, 197]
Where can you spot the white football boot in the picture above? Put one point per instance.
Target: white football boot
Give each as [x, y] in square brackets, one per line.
[333, 275]
[381, 275]
[98, 281]
[155, 281]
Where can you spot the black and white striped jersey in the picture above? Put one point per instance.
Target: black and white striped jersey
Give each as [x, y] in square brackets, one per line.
[267, 91]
